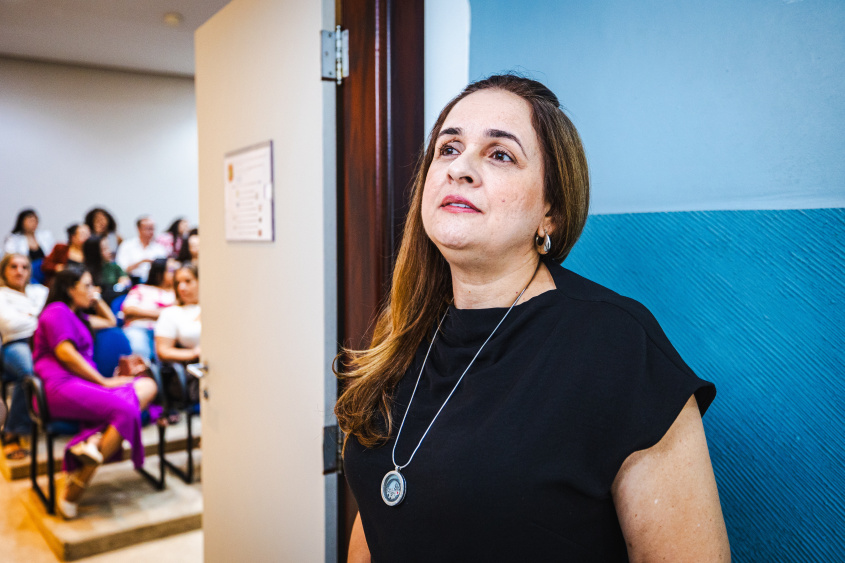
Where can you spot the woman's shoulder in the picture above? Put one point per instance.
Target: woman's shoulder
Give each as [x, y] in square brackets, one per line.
[599, 304]
[37, 293]
[60, 248]
[171, 313]
[56, 309]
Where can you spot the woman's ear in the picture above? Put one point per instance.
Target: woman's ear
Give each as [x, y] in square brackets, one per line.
[548, 224]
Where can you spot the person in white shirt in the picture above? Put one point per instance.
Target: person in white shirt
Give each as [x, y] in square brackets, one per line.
[177, 331]
[20, 304]
[136, 254]
[143, 305]
[27, 239]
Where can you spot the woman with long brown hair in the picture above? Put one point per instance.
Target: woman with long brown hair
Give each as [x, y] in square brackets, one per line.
[507, 408]
[108, 408]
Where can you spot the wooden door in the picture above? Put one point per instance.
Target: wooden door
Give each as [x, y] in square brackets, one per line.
[380, 134]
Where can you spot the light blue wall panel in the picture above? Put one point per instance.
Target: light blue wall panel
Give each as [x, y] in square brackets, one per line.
[755, 302]
[687, 105]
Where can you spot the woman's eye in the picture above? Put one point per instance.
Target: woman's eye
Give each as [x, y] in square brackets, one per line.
[502, 156]
[447, 150]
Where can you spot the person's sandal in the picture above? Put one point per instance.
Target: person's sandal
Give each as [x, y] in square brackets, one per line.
[67, 509]
[87, 453]
[13, 451]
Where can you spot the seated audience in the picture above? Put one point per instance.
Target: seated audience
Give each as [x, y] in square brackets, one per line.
[27, 238]
[136, 254]
[177, 332]
[107, 275]
[174, 237]
[64, 255]
[108, 408]
[20, 304]
[190, 251]
[103, 225]
[143, 305]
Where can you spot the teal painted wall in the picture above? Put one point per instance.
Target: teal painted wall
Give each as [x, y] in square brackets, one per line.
[753, 301]
[687, 105]
[715, 134]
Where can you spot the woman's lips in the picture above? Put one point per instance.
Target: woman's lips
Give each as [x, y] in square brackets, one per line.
[456, 204]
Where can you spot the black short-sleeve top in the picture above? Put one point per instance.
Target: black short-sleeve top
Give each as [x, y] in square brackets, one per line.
[519, 464]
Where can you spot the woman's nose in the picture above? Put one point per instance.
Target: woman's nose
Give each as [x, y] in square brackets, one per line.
[463, 170]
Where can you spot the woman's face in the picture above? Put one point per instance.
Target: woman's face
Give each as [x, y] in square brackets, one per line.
[82, 294]
[81, 235]
[30, 223]
[17, 273]
[484, 190]
[183, 227]
[172, 267]
[105, 250]
[101, 223]
[194, 245]
[187, 287]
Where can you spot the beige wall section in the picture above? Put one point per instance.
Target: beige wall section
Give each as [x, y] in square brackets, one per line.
[74, 137]
[266, 327]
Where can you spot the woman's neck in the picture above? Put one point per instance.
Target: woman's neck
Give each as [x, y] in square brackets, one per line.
[491, 286]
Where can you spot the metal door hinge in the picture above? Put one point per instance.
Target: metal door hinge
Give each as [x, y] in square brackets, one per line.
[335, 54]
[332, 449]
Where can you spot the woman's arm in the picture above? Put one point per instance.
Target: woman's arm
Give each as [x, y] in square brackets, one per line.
[167, 351]
[66, 352]
[666, 497]
[102, 316]
[133, 313]
[359, 552]
[13, 320]
[56, 260]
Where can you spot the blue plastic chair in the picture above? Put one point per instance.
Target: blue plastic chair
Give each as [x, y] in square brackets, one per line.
[37, 274]
[115, 308]
[109, 345]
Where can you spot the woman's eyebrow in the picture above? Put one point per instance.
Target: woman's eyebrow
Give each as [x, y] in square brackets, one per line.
[499, 134]
[494, 133]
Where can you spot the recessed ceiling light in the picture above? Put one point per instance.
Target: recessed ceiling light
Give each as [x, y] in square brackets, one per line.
[172, 19]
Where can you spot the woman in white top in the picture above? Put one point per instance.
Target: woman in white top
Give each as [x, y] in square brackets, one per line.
[177, 332]
[20, 304]
[143, 305]
[27, 239]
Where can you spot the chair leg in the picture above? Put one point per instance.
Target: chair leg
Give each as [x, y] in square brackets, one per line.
[187, 475]
[190, 445]
[161, 445]
[51, 475]
[33, 469]
[158, 482]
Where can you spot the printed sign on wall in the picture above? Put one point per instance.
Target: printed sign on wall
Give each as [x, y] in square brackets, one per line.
[249, 193]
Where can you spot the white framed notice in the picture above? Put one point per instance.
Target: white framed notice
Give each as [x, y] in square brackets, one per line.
[249, 193]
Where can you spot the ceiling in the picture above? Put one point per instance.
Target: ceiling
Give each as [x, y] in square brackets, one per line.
[125, 34]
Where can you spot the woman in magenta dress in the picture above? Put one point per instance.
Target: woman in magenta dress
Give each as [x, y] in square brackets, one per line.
[63, 351]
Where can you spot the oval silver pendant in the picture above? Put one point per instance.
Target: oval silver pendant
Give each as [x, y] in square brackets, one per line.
[393, 488]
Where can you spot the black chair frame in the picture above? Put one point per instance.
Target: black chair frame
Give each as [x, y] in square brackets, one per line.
[4, 397]
[184, 404]
[42, 422]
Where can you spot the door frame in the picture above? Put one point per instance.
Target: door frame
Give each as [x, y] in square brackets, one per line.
[380, 133]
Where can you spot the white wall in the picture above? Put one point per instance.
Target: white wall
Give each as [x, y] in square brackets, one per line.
[447, 28]
[72, 138]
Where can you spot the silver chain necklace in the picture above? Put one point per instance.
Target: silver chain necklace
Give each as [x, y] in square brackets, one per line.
[393, 485]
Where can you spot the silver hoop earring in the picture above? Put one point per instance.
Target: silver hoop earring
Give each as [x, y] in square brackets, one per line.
[546, 243]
